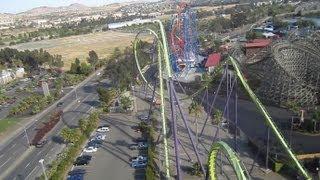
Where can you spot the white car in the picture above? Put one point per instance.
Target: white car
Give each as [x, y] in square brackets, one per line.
[90, 149]
[142, 145]
[138, 164]
[103, 129]
[139, 158]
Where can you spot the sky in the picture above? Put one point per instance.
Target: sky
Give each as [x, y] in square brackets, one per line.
[16, 6]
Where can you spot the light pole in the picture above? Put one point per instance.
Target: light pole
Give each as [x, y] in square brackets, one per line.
[43, 169]
[26, 134]
[75, 91]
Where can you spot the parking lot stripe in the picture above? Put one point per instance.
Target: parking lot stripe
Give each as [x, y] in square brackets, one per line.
[5, 162]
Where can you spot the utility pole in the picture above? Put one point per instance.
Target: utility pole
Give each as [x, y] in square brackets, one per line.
[267, 155]
[26, 134]
[75, 91]
[291, 129]
[43, 169]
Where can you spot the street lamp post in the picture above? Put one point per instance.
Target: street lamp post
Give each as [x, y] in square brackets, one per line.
[43, 169]
[26, 134]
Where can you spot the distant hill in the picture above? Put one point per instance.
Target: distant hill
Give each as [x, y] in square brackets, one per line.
[47, 10]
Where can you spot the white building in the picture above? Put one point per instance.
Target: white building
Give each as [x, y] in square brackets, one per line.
[9, 75]
[128, 23]
[5, 77]
[19, 73]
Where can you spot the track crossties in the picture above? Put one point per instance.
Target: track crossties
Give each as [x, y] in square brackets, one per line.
[290, 73]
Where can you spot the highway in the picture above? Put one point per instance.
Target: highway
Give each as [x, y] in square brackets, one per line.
[18, 161]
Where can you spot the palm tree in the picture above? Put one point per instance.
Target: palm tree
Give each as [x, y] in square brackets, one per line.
[195, 109]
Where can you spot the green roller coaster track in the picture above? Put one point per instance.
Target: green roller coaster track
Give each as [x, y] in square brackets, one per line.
[239, 168]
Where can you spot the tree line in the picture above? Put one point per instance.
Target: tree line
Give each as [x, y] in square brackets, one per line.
[30, 60]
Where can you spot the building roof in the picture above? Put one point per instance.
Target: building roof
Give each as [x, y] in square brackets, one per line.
[213, 60]
[258, 43]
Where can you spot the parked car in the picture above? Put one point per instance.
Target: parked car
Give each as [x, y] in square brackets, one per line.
[138, 164]
[90, 149]
[94, 143]
[143, 145]
[133, 146]
[82, 160]
[143, 117]
[75, 177]
[77, 174]
[140, 139]
[41, 143]
[139, 158]
[103, 129]
[60, 104]
[140, 145]
[77, 171]
[100, 137]
[104, 126]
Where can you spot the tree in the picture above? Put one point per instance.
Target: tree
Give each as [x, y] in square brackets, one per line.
[126, 102]
[195, 109]
[196, 169]
[75, 67]
[58, 83]
[106, 96]
[83, 125]
[57, 61]
[70, 135]
[217, 116]
[85, 68]
[93, 58]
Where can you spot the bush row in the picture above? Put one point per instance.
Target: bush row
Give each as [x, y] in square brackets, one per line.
[34, 103]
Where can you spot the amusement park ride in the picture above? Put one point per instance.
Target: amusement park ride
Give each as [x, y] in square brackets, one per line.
[176, 56]
[183, 41]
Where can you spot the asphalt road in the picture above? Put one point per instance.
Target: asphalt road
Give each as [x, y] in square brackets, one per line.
[15, 166]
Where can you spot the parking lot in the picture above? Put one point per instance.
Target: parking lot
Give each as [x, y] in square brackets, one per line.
[112, 158]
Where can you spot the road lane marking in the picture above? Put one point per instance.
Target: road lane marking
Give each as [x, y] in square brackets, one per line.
[32, 171]
[5, 162]
[39, 153]
[28, 164]
[13, 145]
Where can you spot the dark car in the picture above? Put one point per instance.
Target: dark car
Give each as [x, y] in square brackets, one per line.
[75, 177]
[95, 143]
[140, 139]
[60, 104]
[82, 160]
[77, 171]
[41, 143]
[104, 126]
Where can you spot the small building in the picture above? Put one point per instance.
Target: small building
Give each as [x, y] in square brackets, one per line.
[212, 62]
[5, 77]
[254, 46]
[19, 73]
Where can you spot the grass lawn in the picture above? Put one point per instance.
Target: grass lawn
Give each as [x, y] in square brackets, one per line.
[79, 46]
[6, 123]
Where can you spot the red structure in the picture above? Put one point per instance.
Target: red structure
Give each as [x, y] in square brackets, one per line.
[47, 127]
[212, 61]
[255, 46]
